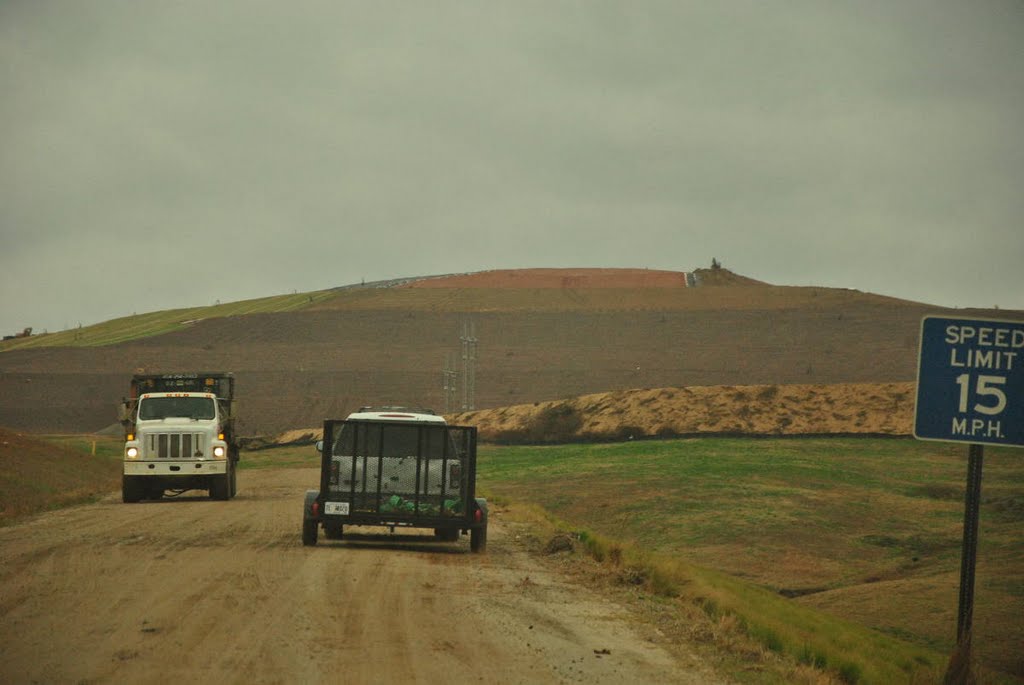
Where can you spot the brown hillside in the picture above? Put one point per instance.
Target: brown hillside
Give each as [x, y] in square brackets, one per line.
[36, 475]
[390, 345]
[721, 276]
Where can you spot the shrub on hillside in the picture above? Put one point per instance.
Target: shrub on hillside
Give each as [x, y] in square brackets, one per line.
[555, 423]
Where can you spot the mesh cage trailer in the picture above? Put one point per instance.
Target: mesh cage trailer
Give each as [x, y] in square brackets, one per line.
[397, 474]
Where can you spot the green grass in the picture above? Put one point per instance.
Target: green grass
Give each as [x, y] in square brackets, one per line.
[867, 529]
[103, 447]
[301, 456]
[157, 323]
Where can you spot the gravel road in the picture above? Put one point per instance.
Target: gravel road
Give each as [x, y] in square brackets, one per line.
[192, 590]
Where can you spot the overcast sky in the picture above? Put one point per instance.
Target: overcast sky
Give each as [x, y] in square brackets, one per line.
[156, 155]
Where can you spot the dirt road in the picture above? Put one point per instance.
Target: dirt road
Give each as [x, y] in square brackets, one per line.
[192, 590]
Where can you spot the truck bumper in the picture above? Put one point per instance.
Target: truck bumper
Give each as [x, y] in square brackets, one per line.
[177, 468]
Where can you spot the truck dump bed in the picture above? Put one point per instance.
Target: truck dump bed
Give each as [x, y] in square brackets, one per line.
[220, 384]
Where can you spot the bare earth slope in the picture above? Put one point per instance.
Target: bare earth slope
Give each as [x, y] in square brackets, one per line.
[536, 343]
[192, 590]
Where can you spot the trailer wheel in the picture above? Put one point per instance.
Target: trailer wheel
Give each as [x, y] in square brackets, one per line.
[309, 532]
[131, 489]
[447, 534]
[333, 531]
[478, 539]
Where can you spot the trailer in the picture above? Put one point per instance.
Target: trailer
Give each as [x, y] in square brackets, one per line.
[396, 468]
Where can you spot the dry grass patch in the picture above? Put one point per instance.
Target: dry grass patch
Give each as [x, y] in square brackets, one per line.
[38, 475]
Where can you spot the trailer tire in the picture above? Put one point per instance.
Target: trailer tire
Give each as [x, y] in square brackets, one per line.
[333, 531]
[309, 531]
[447, 534]
[478, 540]
[131, 489]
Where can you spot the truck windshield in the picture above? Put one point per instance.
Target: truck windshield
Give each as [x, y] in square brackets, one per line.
[152, 408]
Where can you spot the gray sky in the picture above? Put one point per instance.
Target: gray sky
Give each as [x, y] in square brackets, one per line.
[156, 155]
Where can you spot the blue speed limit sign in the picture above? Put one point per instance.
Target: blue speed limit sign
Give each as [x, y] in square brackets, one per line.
[970, 381]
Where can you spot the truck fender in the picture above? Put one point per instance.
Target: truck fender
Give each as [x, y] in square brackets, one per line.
[307, 507]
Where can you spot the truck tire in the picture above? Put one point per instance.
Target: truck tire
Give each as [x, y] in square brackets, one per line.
[131, 489]
[309, 532]
[234, 480]
[220, 487]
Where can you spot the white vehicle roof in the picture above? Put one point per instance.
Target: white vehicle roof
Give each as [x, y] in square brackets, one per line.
[395, 415]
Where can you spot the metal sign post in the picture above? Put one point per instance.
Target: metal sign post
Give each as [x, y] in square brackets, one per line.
[969, 556]
[970, 388]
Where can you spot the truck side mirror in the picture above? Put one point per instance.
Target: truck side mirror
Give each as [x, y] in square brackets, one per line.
[320, 446]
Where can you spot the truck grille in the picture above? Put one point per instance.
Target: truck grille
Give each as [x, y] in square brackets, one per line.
[174, 445]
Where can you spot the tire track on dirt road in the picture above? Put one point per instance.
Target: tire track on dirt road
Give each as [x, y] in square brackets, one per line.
[193, 590]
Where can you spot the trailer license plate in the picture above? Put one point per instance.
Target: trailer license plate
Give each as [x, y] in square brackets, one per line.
[340, 508]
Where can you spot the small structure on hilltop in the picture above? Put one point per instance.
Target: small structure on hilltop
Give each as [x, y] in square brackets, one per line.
[24, 334]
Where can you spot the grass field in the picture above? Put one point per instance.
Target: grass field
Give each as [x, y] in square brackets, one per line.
[782, 532]
[150, 324]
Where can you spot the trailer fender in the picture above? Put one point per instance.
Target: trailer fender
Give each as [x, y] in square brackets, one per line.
[309, 506]
[480, 512]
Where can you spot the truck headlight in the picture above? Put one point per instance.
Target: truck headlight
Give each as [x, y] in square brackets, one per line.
[132, 452]
[218, 452]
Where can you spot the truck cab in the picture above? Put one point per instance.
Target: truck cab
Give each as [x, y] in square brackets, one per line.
[396, 467]
[179, 436]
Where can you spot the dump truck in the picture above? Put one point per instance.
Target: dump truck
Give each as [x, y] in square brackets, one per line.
[395, 467]
[179, 435]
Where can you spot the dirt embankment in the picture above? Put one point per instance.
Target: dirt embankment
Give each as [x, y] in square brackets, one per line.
[855, 408]
[755, 410]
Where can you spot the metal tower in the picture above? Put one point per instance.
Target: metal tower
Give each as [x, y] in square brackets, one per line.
[469, 341]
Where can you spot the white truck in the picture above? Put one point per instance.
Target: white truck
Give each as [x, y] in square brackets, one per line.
[396, 467]
[179, 435]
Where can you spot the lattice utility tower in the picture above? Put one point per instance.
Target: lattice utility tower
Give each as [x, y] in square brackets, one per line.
[449, 382]
[468, 365]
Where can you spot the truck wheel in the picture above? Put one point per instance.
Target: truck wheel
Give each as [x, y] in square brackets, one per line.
[220, 488]
[131, 489]
[309, 532]
[234, 480]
